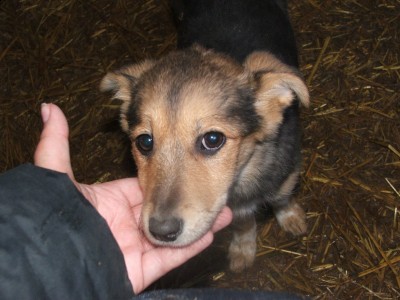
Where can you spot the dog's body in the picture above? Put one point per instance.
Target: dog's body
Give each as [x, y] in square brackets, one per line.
[237, 28]
[217, 123]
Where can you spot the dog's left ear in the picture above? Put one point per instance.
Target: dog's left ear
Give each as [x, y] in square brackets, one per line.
[123, 82]
[276, 86]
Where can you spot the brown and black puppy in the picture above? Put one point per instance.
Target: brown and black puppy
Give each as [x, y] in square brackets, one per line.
[217, 122]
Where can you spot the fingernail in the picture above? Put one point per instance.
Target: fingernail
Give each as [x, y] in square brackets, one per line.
[45, 110]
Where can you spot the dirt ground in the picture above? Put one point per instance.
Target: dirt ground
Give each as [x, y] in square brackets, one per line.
[58, 51]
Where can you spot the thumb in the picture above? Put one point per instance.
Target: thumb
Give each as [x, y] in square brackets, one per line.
[52, 152]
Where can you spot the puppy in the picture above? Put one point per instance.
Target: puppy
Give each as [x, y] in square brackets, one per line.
[216, 123]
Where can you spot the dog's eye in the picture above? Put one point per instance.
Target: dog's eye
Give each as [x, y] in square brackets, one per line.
[212, 141]
[144, 143]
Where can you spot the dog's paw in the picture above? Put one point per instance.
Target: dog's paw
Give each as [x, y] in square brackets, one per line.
[241, 255]
[292, 219]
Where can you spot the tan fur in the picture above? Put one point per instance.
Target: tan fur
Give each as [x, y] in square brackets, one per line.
[201, 189]
[288, 186]
[242, 249]
[120, 83]
[176, 179]
[276, 89]
[264, 61]
[225, 63]
[292, 219]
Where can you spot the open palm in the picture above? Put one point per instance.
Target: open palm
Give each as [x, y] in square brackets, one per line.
[119, 202]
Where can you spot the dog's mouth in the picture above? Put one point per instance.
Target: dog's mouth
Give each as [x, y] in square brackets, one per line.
[175, 232]
[185, 228]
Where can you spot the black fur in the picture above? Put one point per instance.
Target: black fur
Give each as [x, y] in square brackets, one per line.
[282, 157]
[237, 27]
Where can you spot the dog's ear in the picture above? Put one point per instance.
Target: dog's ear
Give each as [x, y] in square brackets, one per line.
[276, 87]
[122, 83]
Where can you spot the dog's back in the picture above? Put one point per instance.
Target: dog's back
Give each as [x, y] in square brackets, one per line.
[237, 27]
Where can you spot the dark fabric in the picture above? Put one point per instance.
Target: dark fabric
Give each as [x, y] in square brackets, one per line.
[53, 243]
[215, 294]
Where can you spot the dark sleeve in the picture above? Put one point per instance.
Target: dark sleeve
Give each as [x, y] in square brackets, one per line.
[53, 243]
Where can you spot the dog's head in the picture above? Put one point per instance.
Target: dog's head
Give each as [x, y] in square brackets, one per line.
[194, 118]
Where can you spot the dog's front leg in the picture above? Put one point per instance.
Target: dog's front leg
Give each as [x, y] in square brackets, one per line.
[289, 214]
[242, 249]
[292, 218]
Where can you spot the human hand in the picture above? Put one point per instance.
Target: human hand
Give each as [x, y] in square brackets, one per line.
[119, 202]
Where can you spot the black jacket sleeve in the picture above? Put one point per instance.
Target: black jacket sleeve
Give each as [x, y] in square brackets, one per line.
[53, 243]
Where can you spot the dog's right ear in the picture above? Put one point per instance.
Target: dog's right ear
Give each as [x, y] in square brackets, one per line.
[122, 82]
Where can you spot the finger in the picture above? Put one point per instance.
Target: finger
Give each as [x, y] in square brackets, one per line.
[52, 151]
[224, 218]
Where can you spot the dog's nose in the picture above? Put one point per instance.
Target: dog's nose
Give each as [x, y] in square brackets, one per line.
[166, 230]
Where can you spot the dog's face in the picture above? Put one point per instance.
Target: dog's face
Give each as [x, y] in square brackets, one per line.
[195, 118]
